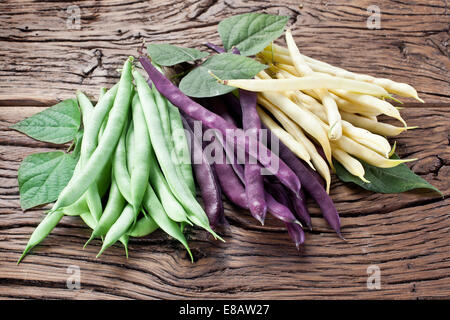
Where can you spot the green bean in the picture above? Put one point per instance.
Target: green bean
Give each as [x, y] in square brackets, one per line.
[177, 185]
[85, 105]
[103, 183]
[89, 143]
[88, 219]
[129, 147]
[120, 169]
[93, 125]
[163, 112]
[156, 212]
[119, 228]
[140, 166]
[169, 202]
[80, 205]
[144, 226]
[124, 240]
[92, 198]
[162, 105]
[171, 205]
[181, 146]
[125, 179]
[42, 230]
[113, 208]
[99, 158]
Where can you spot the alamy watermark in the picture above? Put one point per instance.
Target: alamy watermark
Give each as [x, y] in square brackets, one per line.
[74, 17]
[374, 277]
[74, 280]
[374, 20]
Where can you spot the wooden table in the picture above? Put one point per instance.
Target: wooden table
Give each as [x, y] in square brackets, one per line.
[405, 235]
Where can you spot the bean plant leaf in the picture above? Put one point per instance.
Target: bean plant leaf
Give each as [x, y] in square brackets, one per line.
[199, 83]
[385, 180]
[169, 55]
[251, 32]
[42, 176]
[57, 124]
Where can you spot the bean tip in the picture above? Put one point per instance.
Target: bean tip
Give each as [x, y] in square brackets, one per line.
[23, 254]
[339, 234]
[89, 240]
[260, 219]
[100, 252]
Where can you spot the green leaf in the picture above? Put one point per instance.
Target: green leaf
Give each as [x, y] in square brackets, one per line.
[251, 32]
[169, 55]
[57, 124]
[42, 176]
[199, 83]
[385, 180]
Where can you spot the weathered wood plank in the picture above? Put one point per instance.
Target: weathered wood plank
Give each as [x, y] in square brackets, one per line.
[405, 235]
[408, 245]
[36, 44]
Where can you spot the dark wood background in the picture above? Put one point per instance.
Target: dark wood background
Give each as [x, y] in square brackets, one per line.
[405, 235]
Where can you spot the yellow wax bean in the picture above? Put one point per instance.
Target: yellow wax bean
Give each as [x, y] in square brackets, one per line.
[371, 102]
[304, 118]
[285, 137]
[351, 164]
[380, 128]
[281, 55]
[304, 83]
[291, 127]
[359, 151]
[375, 142]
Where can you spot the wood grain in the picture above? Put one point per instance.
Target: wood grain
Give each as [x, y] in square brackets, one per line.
[36, 44]
[405, 235]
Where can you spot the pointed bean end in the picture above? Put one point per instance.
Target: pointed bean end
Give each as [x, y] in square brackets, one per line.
[339, 234]
[190, 254]
[101, 251]
[364, 179]
[298, 222]
[418, 99]
[89, 240]
[260, 219]
[25, 252]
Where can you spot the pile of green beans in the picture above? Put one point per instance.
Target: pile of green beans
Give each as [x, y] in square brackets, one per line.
[131, 178]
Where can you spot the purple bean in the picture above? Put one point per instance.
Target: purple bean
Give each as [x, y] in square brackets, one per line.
[299, 204]
[207, 181]
[254, 184]
[311, 183]
[214, 47]
[220, 49]
[230, 183]
[296, 233]
[314, 188]
[281, 195]
[211, 120]
[277, 209]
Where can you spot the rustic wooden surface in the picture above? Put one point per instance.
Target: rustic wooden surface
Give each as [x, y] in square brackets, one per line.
[405, 235]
